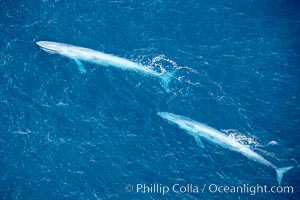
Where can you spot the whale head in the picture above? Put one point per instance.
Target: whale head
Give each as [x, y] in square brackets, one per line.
[183, 122]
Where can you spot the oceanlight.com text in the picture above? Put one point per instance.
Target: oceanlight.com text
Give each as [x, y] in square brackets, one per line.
[250, 189]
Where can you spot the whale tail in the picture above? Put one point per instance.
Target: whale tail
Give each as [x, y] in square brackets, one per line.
[281, 171]
[166, 79]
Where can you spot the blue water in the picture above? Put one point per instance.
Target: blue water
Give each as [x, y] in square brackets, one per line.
[67, 135]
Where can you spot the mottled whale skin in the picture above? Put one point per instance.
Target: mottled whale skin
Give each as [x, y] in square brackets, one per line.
[89, 55]
[201, 131]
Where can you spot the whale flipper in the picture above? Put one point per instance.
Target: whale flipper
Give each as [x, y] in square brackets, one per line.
[199, 142]
[281, 171]
[81, 67]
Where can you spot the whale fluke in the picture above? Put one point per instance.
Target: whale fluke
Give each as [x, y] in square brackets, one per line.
[166, 79]
[280, 172]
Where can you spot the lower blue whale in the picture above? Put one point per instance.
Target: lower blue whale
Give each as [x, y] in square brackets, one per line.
[201, 131]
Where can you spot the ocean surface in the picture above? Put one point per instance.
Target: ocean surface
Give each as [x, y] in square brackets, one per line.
[68, 135]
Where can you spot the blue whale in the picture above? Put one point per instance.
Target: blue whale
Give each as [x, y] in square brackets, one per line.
[201, 131]
[79, 54]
